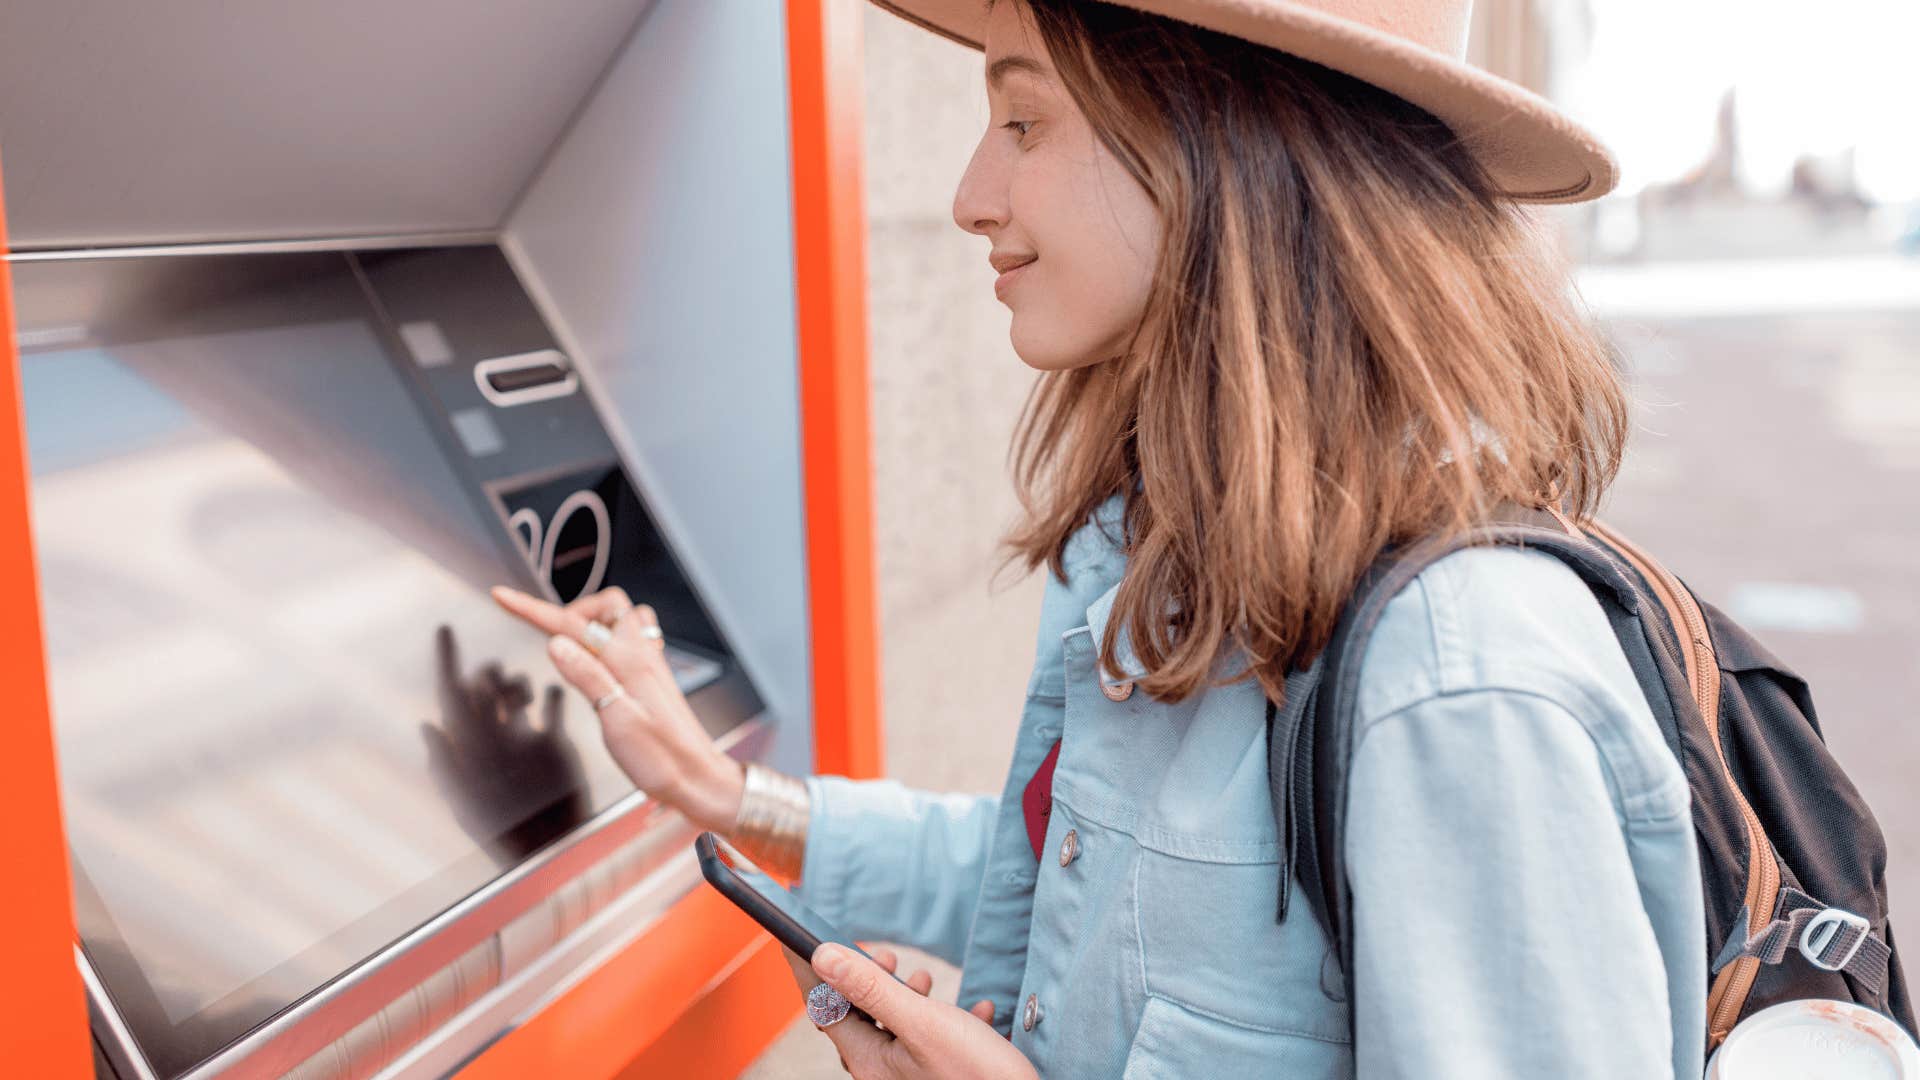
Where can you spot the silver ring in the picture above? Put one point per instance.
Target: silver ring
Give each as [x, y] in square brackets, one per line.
[609, 697]
[595, 637]
[826, 1006]
[651, 633]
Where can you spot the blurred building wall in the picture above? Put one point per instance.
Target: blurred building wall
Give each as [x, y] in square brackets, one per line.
[1531, 42]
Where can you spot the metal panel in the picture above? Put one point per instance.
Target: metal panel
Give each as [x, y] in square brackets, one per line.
[199, 120]
[659, 241]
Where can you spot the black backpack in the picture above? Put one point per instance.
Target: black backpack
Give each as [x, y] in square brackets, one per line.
[1792, 862]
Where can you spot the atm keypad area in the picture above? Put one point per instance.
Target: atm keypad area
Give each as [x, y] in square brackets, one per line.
[296, 737]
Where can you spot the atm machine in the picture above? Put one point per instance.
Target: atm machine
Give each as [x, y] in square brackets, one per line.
[324, 319]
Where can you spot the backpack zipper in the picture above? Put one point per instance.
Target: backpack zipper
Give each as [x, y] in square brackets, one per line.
[1728, 994]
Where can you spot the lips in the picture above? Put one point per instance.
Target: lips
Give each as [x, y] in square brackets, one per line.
[1010, 270]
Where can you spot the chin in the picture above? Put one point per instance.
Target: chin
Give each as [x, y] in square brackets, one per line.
[1046, 352]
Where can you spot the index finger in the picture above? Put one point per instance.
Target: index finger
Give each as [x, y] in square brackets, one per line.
[550, 617]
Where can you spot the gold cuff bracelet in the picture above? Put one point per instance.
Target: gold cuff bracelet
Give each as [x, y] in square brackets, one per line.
[771, 828]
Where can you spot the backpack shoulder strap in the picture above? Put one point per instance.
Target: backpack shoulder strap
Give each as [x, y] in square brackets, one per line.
[1310, 742]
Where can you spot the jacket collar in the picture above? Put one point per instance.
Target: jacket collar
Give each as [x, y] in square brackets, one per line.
[1098, 614]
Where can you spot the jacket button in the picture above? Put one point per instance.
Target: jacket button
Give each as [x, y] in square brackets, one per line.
[1117, 691]
[1069, 847]
[1031, 1014]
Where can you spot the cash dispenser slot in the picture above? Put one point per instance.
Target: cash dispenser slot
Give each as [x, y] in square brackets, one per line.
[527, 377]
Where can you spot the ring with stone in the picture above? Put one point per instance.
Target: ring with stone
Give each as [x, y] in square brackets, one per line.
[826, 1006]
[608, 698]
[595, 637]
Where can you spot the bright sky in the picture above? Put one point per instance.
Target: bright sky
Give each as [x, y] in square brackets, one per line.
[1809, 77]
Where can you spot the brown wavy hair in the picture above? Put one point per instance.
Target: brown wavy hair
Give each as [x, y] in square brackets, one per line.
[1353, 341]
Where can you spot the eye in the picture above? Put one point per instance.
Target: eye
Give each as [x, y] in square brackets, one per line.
[1018, 127]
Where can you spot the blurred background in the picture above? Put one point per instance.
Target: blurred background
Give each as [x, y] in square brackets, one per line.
[1759, 269]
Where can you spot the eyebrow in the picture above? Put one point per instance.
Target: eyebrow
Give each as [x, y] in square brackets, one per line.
[998, 71]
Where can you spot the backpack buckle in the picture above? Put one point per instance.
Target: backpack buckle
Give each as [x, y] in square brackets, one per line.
[1823, 928]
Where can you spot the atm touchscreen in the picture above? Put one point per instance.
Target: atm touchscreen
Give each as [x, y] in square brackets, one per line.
[291, 724]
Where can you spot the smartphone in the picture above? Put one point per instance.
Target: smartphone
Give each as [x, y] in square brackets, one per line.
[792, 923]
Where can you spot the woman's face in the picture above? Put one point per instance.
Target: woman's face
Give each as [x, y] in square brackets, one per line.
[1055, 203]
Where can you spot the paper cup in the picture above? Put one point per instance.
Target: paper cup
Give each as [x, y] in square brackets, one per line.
[1832, 1040]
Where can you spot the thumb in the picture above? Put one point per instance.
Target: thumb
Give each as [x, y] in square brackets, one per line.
[868, 987]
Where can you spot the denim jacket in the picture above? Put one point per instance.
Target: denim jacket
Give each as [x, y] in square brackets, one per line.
[1526, 889]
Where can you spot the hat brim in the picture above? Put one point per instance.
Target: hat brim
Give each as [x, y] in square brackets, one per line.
[1533, 151]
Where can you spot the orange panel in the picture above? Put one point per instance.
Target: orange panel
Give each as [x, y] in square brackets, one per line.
[730, 1026]
[829, 221]
[691, 991]
[43, 1011]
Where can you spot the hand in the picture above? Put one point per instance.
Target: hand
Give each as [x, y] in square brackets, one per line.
[920, 982]
[651, 732]
[923, 1037]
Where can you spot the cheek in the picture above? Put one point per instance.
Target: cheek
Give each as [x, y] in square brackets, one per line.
[1131, 235]
[1098, 239]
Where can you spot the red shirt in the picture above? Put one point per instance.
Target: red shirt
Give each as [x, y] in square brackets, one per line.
[1037, 800]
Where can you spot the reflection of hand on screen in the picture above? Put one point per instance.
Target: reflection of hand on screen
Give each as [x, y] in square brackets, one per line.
[513, 786]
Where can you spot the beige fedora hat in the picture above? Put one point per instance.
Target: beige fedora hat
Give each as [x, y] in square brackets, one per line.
[1413, 48]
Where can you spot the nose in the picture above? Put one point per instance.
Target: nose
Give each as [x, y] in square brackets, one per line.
[980, 202]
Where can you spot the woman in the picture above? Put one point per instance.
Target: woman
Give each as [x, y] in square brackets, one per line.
[1287, 311]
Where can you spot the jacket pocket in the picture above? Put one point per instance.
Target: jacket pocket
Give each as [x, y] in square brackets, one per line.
[1209, 943]
[1176, 1043]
